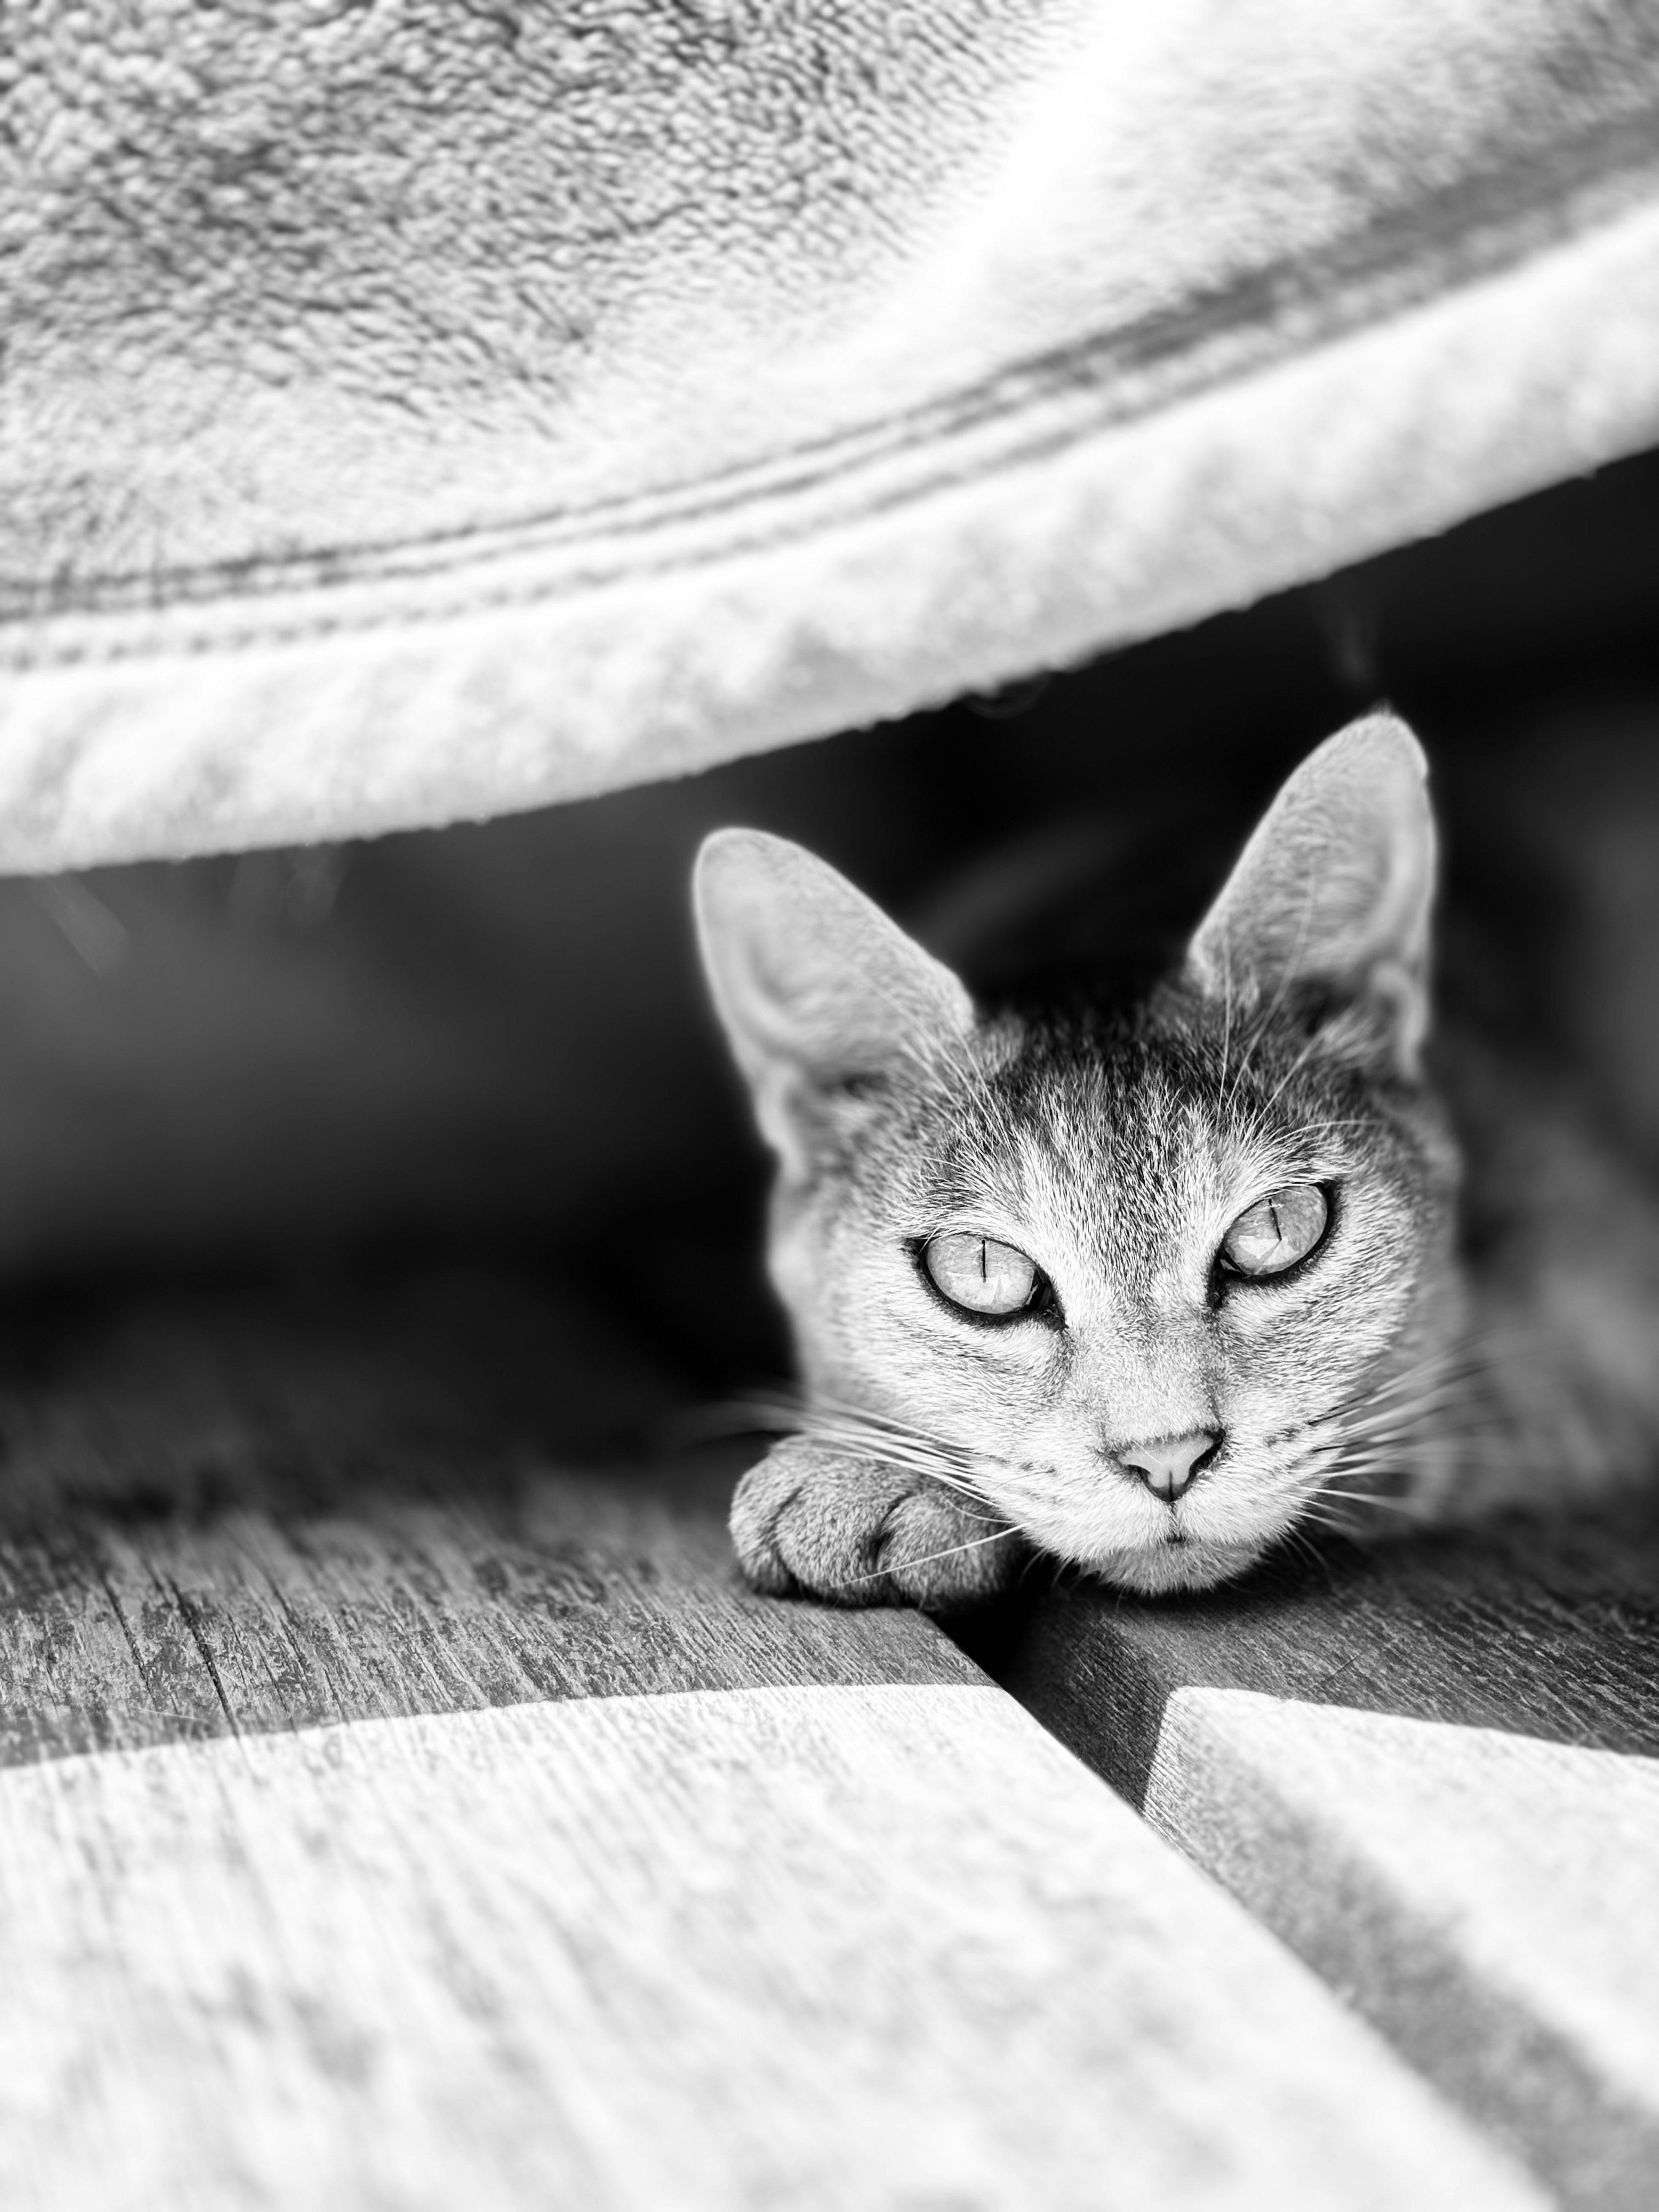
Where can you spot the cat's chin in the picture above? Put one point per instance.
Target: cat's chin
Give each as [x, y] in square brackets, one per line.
[1163, 1569]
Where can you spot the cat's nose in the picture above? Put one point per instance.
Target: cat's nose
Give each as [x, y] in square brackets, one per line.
[1171, 1466]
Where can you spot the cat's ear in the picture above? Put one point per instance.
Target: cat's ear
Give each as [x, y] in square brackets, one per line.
[821, 994]
[1335, 890]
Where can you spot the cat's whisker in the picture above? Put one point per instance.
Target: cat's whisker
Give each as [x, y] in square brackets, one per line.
[956, 1469]
[1314, 1128]
[1383, 1427]
[1365, 1498]
[936, 1055]
[1458, 1364]
[1396, 1458]
[842, 1426]
[838, 1424]
[1229, 1099]
[886, 1443]
[1407, 1426]
[927, 1558]
[1290, 1075]
[1400, 1418]
[883, 1455]
[1332, 1523]
[821, 1400]
[799, 1412]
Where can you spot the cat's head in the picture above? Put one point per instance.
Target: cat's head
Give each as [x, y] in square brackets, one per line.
[1150, 1272]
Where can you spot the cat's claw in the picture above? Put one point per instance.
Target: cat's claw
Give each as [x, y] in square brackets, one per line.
[859, 1532]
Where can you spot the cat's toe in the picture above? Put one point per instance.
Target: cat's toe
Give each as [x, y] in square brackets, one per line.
[808, 1520]
[857, 1532]
[765, 1496]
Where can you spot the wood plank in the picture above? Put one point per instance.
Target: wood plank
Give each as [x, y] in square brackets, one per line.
[1490, 1901]
[864, 1947]
[573, 1586]
[1430, 1768]
[399, 1810]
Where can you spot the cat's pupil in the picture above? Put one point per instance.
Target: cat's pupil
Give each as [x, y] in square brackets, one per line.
[1276, 1231]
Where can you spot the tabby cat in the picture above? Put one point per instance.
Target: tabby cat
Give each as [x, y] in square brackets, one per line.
[1145, 1285]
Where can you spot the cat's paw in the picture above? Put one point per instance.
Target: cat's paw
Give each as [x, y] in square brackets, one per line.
[859, 1532]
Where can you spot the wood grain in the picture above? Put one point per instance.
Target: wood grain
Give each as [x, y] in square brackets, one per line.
[572, 1587]
[264, 1511]
[1431, 1769]
[881, 1947]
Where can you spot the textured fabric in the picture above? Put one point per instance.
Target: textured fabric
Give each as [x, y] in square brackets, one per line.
[418, 411]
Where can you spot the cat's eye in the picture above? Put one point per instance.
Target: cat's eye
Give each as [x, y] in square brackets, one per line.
[980, 1273]
[1276, 1231]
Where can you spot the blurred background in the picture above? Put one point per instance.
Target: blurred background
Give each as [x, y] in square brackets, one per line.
[492, 1042]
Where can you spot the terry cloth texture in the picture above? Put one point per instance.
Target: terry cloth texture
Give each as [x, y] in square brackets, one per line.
[413, 411]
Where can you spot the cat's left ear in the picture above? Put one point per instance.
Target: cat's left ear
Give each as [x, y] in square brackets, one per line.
[820, 993]
[1335, 890]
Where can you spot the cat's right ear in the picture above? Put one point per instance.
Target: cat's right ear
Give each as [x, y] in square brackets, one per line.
[820, 993]
[1335, 890]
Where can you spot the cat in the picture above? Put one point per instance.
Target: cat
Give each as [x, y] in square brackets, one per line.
[1145, 1283]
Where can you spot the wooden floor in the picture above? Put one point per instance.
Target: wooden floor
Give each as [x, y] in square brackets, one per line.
[402, 1805]
[1433, 1769]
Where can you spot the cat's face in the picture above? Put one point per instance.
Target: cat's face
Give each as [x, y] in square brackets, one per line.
[1146, 1277]
[1142, 1276]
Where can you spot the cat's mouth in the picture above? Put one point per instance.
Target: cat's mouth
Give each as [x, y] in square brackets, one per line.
[1178, 1562]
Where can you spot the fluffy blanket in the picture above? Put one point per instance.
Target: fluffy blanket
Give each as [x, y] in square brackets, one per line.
[421, 408]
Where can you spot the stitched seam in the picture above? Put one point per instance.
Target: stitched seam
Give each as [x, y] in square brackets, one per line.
[1183, 344]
